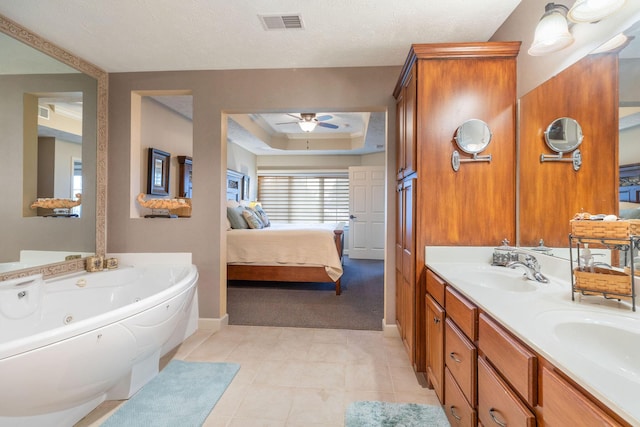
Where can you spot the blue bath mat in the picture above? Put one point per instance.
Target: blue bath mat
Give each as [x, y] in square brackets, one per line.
[182, 394]
[386, 414]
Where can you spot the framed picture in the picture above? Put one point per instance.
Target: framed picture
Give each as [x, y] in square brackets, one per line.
[158, 172]
[245, 187]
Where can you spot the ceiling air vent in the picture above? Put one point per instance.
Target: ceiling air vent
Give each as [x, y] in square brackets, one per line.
[43, 112]
[281, 22]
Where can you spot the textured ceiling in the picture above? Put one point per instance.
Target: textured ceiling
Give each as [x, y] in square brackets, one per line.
[161, 35]
[157, 35]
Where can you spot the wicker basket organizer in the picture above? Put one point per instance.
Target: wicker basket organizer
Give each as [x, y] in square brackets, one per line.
[603, 281]
[594, 231]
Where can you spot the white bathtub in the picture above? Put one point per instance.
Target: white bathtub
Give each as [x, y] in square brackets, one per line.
[68, 344]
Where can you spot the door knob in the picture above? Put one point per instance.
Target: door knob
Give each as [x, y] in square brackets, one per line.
[353, 217]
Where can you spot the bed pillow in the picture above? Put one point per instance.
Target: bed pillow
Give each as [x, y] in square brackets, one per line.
[229, 227]
[262, 215]
[252, 219]
[236, 219]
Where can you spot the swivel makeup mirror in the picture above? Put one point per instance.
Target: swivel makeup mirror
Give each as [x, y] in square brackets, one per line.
[472, 137]
[564, 135]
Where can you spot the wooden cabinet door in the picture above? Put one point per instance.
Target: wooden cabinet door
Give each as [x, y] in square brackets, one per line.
[400, 135]
[435, 345]
[408, 265]
[410, 122]
[399, 245]
[406, 126]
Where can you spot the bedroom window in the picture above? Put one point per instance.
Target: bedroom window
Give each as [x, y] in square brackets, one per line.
[305, 198]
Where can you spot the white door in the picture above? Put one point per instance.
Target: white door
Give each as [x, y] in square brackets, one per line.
[366, 209]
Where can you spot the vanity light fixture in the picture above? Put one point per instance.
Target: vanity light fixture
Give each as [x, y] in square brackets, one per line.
[593, 10]
[552, 32]
[617, 42]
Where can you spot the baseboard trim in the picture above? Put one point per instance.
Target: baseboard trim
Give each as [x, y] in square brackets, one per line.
[213, 324]
[390, 330]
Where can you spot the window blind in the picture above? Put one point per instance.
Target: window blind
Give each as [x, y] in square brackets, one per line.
[305, 198]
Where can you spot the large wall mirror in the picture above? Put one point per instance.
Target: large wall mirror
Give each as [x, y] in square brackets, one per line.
[53, 116]
[630, 121]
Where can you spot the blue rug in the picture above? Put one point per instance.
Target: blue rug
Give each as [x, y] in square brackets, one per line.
[385, 414]
[182, 394]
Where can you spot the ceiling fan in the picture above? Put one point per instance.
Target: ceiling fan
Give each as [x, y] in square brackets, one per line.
[309, 121]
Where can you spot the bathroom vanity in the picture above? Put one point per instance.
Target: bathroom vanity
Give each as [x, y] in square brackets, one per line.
[504, 350]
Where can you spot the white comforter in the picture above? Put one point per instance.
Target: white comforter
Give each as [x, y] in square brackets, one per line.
[286, 244]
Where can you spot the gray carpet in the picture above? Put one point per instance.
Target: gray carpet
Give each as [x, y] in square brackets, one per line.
[313, 305]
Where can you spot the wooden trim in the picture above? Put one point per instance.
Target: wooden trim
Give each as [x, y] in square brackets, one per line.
[455, 51]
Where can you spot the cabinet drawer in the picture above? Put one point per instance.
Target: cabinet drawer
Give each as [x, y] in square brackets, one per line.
[498, 405]
[563, 405]
[458, 411]
[518, 365]
[462, 312]
[435, 287]
[460, 357]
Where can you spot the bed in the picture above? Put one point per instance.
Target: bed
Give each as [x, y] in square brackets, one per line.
[286, 253]
[278, 252]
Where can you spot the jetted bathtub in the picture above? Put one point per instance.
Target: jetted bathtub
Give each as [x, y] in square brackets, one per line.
[70, 343]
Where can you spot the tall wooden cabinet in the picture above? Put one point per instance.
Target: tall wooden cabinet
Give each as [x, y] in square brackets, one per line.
[440, 87]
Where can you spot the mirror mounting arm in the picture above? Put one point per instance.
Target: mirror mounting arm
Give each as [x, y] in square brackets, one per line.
[456, 160]
[576, 158]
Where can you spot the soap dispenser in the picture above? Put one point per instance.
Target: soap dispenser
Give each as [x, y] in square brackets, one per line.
[586, 259]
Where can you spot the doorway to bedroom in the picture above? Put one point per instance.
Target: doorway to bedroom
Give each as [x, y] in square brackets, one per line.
[314, 304]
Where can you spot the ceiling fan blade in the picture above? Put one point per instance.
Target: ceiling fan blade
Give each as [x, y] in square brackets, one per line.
[325, 117]
[285, 123]
[294, 116]
[328, 125]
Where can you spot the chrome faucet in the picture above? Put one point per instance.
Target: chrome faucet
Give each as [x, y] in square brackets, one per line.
[531, 267]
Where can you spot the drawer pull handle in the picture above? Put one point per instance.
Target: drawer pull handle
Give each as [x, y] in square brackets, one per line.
[455, 359]
[453, 413]
[436, 320]
[495, 418]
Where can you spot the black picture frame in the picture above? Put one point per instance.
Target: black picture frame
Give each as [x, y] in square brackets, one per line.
[158, 172]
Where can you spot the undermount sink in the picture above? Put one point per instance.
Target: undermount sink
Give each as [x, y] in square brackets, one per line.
[611, 341]
[498, 278]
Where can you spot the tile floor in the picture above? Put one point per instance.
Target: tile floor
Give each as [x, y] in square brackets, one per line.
[297, 377]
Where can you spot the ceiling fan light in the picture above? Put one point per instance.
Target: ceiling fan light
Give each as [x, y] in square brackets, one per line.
[593, 10]
[308, 125]
[552, 32]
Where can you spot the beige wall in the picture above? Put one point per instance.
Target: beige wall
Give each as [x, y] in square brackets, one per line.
[215, 93]
[163, 129]
[243, 161]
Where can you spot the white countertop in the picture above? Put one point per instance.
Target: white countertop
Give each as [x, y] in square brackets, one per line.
[594, 341]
